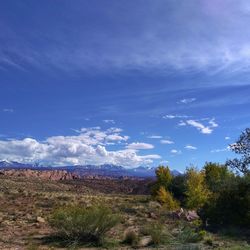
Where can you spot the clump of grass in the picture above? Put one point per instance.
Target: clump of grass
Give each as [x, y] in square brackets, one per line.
[77, 225]
[157, 233]
[209, 241]
[189, 235]
[131, 238]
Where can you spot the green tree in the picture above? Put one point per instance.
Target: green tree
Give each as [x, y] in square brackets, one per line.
[163, 175]
[241, 147]
[163, 179]
[216, 176]
[230, 205]
[196, 190]
[178, 188]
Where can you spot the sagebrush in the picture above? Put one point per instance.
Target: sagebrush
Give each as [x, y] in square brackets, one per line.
[81, 224]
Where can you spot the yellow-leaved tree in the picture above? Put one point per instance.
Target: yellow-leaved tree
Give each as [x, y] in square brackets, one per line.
[161, 188]
[166, 198]
[197, 192]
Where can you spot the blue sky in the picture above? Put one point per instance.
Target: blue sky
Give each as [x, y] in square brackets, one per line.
[124, 82]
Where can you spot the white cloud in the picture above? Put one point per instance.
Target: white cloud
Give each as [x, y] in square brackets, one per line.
[187, 100]
[213, 123]
[190, 147]
[116, 137]
[166, 142]
[175, 151]
[139, 145]
[154, 137]
[182, 123]
[199, 124]
[227, 138]
[155, 157]
[201, 127]
[88, 147]
[220, 150]
[174, 116]
[169, 117]
[114, 130]
[94, 135]
[109, 121]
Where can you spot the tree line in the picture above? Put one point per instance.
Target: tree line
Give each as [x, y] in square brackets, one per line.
[220, 193]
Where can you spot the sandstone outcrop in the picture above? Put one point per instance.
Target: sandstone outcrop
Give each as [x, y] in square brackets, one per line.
[54, 175]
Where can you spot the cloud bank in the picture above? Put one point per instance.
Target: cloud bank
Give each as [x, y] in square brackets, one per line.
[87, 147]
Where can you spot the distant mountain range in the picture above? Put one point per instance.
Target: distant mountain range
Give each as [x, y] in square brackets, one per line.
[90, 170]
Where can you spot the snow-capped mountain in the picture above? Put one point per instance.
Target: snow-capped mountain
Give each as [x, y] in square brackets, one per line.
[85, 170]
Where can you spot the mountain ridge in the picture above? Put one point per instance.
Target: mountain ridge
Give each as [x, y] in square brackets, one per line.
[90, 170]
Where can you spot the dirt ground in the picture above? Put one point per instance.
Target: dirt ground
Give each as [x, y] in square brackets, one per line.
[26, 204]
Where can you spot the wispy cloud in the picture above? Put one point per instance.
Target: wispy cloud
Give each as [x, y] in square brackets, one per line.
[227, 138]
[139, 145]
[181, 123]
[213, 124]
[170, 116]
[201, 127]
[186, 100]
[220, 150]
[8, 110]
[166, 142]
[175, 151]
[154, 137]
[109, 121]
[158, 43]
[190, 147]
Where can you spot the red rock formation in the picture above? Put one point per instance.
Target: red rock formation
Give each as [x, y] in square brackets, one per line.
[54, 175]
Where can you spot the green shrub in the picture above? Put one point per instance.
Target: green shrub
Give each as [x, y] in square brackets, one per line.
[189, 235]
[209, 240]
[77, 224]
[202, 233]
[197, 223]
[156, 231]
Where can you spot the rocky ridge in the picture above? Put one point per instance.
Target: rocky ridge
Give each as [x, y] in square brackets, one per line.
[54, 175]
